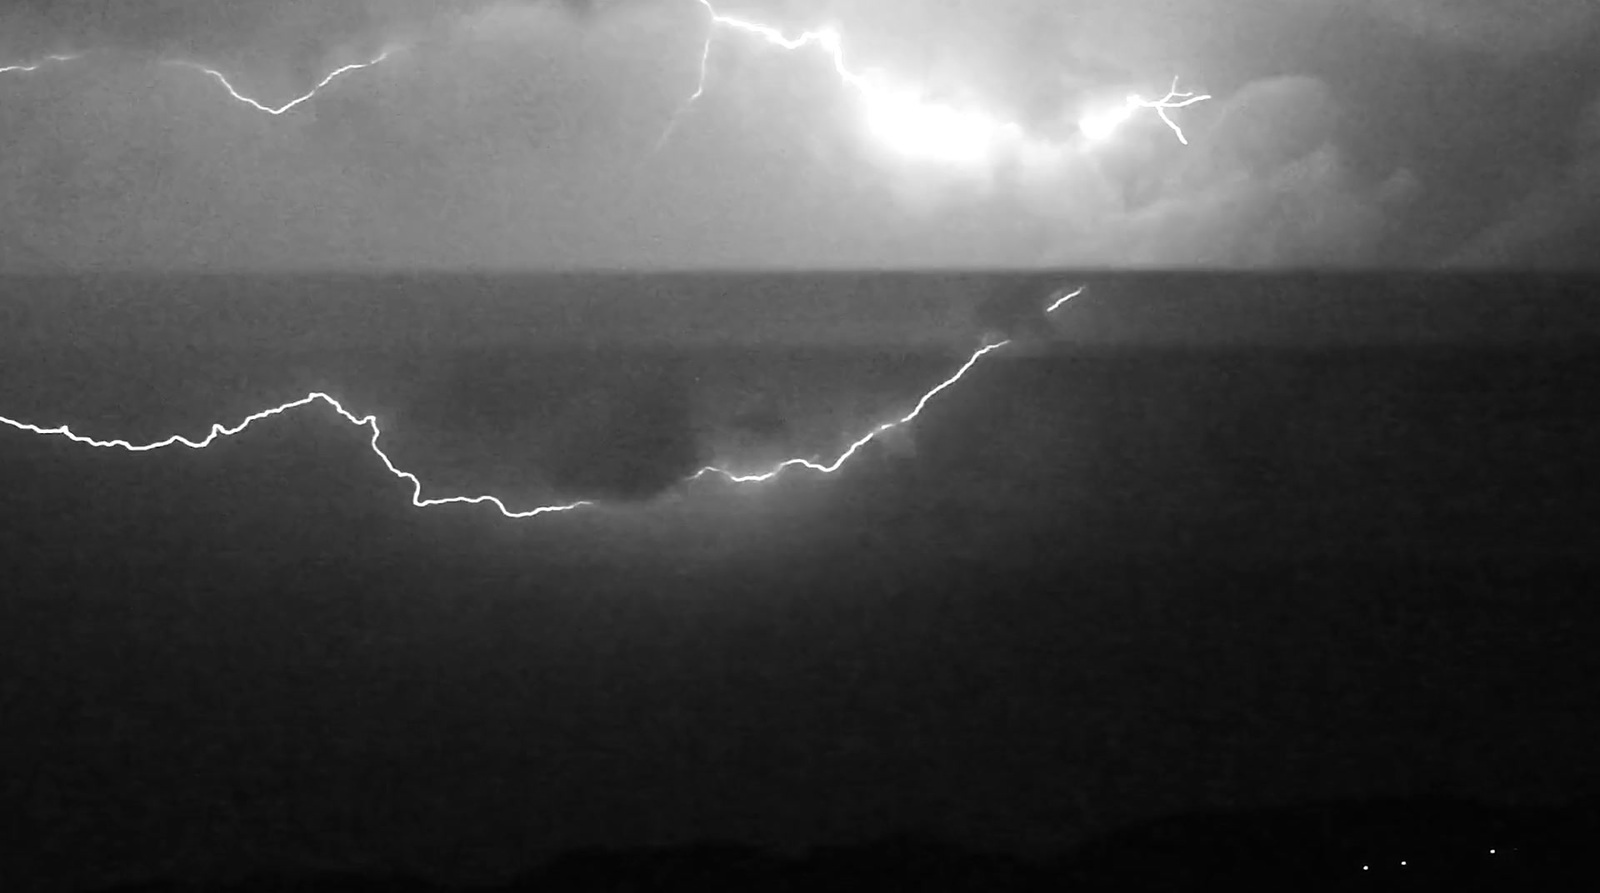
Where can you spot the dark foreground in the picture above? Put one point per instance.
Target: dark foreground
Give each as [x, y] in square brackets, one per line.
[1430, 844]
[1111, 583]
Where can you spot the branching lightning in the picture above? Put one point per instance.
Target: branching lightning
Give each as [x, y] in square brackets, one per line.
[258, 105]
[369, 422]
[1099, 126]
[902, 119]
[897, 115]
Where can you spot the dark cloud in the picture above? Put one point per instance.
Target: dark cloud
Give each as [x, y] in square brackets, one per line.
[1554, 224]
[627, 436]
[1508, 30]
[1262, 127]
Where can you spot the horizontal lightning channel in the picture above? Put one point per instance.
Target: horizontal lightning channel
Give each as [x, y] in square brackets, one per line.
[371, 423]
[35, 66]
[223, 79]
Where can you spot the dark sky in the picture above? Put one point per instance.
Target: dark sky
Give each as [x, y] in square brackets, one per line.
[1115, 585]
[522, 135]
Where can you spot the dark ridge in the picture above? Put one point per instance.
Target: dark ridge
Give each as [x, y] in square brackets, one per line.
[1423, 843]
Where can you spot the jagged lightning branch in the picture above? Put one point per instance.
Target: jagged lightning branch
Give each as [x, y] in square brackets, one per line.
[901, 108]
[222, 79]
[1055, 305]
[935, 126]
[371, 423]
[901, 114]
[699, 91]
[327, 79]
[35, 66]
[872, 435]
[1101, 125]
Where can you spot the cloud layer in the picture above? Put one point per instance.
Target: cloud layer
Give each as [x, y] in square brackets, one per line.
[521, 135]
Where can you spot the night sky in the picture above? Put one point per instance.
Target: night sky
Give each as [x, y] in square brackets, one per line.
[1128, 577]
[1294, 526]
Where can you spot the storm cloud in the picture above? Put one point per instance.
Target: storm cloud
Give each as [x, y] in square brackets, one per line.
[528, 135]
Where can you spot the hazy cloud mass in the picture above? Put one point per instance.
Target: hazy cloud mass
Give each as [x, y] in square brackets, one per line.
[529, 135]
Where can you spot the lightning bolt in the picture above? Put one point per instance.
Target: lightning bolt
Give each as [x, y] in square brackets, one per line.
[699, 91]
[258, 105]
[223, 79]
[870, 436]
[369, 422]
[35, 66]
[901, 116]
[1056, 304]
[1102, 125]
[218, 431]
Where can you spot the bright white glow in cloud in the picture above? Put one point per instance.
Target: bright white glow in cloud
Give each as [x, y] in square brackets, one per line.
[898, 118]
[515, 136]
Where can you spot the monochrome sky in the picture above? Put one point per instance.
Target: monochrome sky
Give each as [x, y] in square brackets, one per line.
[527, 135]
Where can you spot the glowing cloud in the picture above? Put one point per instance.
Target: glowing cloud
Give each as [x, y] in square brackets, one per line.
[1098, 126]
[901, 118]
[515, 137]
